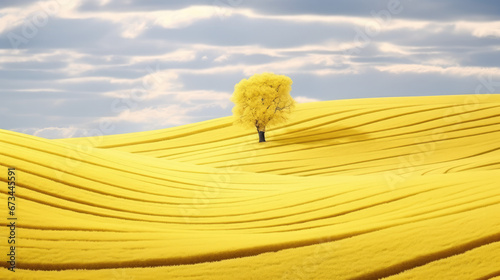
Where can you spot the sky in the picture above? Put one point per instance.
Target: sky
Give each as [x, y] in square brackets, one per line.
[72, 68]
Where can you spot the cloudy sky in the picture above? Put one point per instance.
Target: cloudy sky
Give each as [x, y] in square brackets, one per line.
[83, 67]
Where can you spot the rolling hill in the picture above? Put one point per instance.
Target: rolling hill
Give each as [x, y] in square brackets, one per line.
[392, 188]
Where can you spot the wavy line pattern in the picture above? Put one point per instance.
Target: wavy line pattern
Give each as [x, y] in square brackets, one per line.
[393, 188]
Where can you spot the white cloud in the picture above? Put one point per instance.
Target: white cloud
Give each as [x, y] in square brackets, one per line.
[180, 55]
[393, 49]
[133, 28]
[221, 99]
[38, 90]
[362, 22]
[104, 2]
[184, 17]
[245, 50]
[158, 83]
[156, 116]
[77, 79]
[329, 46]
[20, 55]
[54, 132]
[453, 71]
[328, 72]
[36, 15]
[304, 99]
[298, 64]
[159, 116]
[480, 29]
[221, 58]
[134, 23]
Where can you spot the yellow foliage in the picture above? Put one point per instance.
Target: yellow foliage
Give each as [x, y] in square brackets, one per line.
[262, 100]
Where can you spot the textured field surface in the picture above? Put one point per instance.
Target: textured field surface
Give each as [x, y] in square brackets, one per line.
[393, 188]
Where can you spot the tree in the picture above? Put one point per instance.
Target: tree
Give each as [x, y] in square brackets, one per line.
[261, 101]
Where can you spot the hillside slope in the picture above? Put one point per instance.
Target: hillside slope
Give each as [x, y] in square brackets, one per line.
[360, 136]
[403, 188]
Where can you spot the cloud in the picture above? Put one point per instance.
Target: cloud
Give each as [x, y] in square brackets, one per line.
[304, 99]
[133, 24]
[221, 58]
[55, 132]
[452, 71]
[480, 29]
[179, 55]
[157, 116]
[425, 9]
[196, 96]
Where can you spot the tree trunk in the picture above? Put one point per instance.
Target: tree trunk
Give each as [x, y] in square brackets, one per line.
[262, 137]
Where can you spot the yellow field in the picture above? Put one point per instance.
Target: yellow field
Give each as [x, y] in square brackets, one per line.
[393, 188]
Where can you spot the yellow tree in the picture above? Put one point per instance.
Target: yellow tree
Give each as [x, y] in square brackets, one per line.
[261, 101]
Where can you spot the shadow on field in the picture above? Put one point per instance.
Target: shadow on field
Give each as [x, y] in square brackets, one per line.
[330, 134]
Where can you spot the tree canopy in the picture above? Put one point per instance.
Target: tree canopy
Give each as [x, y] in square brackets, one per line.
[262, 100]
